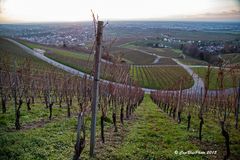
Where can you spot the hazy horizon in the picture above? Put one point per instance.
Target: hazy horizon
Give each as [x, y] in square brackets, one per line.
[140, 20]
[53, 11]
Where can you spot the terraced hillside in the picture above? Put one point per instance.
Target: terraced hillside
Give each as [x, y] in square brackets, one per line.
[233, 58]
[133, 56]
[165, 52]
[9, 53]
[83, 62]
[45, 106]
[80, 61]
[166, 61]
[165, 77]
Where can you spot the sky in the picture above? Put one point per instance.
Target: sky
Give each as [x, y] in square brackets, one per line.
[15, 11]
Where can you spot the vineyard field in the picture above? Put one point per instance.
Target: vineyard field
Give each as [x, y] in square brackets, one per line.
[119, 90]
[192, 61]
[233, 58]
[58, 51]
[10, 52]
[40, 108]
[82, 62]
[165, 52]
[157, 136]
[79, 61]
[133, 56]
[164, 77]
[39, 134]
[214, 83]
[154, 136]
[168, 53]
[166, 61]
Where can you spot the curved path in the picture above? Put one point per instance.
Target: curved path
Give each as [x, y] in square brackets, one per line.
[196, 88]
[157, 59]
[64, 67]
[198, 82]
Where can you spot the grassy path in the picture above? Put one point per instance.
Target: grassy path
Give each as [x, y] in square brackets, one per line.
[151, 135]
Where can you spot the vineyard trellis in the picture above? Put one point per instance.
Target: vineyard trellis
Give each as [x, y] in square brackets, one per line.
[24, 83]
[52, 89]
[223, 105]
[162, 77]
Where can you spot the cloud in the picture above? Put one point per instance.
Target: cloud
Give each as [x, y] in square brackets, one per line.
[222, 15]
[76, 10]
[1, 6]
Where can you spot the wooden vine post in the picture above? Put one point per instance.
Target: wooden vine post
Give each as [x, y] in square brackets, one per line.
[238, 106]
[96, 85]
[179, 103]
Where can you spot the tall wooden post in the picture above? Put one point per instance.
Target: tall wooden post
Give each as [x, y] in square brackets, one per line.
[96, 85]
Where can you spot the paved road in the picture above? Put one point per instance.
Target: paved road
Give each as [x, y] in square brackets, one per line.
[202, 66]
[198, 82]
[48, 60]
[64, 67]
